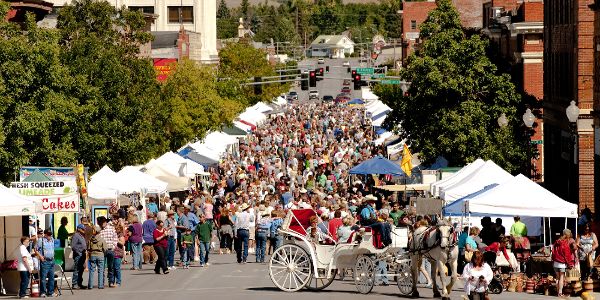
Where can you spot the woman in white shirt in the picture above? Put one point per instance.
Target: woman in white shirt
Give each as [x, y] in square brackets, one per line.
[24, 266]
[477, 276]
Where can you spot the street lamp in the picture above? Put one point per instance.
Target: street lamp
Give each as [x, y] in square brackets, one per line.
[528, 118]
[502, 121]
[572, 112]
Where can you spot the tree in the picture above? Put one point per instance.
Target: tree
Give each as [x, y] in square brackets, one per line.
[240, 63]
[455, 98]
[194, 105]
[245, 10]
[122, 116]
[223, 10]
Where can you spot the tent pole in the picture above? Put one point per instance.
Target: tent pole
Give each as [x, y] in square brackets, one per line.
[576, 221]
[550, 230]
[565, 223]
[544, 229]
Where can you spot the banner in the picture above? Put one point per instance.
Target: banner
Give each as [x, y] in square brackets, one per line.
[56, 173]
[46, 188]
[62, 203]
[164, 67]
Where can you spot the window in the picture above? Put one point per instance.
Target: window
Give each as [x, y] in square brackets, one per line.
[143, 9]
[413, 24]
[181, 14]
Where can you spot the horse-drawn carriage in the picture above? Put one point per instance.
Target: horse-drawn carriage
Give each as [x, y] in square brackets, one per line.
[302, 262]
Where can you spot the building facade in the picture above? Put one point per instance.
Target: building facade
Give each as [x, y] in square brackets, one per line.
[516, 31]
[197, 16]
[569, 75]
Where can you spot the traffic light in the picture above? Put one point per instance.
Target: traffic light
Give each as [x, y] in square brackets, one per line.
[304, 82]
[320, 74]
[357, 81]
[312, 79]
[327, 69]
[257, 87]
[353, 74]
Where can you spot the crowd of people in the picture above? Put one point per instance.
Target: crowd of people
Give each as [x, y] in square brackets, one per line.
[297, 160]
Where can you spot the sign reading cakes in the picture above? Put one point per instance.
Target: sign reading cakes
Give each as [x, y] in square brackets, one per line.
[54, 196]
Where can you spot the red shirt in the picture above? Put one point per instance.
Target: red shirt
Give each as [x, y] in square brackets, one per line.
[161, 243]
[334, 224]
[495, 247]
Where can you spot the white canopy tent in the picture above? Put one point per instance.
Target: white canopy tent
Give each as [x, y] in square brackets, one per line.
[13, 204]
[462, 173]
[137, 181]
[379, 121]
[253, 117]
[242, 126]
[106, 185]
[178, 165]
[488, 174]
[280, 101]
[382, 137]
[175, 183]
[518, 196]
[261, 107]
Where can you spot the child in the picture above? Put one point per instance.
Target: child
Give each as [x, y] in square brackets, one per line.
[119, 253]
[188, 248]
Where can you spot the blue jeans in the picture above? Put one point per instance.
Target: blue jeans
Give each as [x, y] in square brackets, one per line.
[188, 255]
[381, 269]
[204, 250]
[47, 272]
[136, 248]
[109, 263]
[117, 266]
[243, 236]
[78, 268]
[171, 252]
[24, 283]
[96, 263]
[261, 246]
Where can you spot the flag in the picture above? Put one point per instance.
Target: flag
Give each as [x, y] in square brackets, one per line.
[406, 164]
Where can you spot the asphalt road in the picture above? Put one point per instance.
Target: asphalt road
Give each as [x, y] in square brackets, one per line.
[332, 80]
[225, 279]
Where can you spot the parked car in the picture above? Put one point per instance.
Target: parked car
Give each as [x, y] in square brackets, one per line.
[328, 98]
[346, 82]
[346, 90]
[292, 95]
[321, 61]
[313, 95]
[346, 64]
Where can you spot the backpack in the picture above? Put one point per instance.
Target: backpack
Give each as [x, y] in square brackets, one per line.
[96, 246]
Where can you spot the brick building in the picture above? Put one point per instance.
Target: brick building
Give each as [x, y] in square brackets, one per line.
[569, 68]
[516, 29]
[414, 13]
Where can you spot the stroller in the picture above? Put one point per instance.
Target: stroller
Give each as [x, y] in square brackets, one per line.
[496, 285]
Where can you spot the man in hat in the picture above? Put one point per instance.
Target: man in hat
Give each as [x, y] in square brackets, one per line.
[242, 232]
[45, 252]
[171, 226]
[79, 246]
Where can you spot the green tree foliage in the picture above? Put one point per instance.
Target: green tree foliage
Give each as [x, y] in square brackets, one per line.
[241, 62]
[455, 98]
[193, 104]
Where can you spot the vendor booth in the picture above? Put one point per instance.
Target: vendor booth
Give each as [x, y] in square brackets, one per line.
[489, 173]
[458, 176]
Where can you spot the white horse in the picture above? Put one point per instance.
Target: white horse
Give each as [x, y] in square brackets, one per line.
[438, 245]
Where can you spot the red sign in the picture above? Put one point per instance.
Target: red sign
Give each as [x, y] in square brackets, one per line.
[164, 67]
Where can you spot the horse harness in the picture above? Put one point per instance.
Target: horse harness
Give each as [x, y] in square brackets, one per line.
[421, 245]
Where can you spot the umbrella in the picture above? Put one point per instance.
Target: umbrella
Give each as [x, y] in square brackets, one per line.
[377, 165]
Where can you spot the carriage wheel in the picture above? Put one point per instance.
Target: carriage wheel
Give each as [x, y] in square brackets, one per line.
[364, 274]
[290, 268]
[317, 284]
[404, 280]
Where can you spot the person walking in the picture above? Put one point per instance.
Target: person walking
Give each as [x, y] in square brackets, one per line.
[477, 275]
[225, 231]
[160, 247]
[119, 254]
[242, 227]
[24, 266]
[149, 226]
[183, 225]
[203, 236]
[79, 247]
[110, 237]
[135, 241]
[96, 249]
[171, 226]
[45, 253]
[263, 229]
[586, 242]
[563, 257]
[187, 242]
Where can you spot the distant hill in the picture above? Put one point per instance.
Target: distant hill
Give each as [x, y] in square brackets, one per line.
[236, 3]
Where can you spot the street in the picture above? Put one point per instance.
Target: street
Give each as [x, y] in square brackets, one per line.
[225, 278]
[332, 81]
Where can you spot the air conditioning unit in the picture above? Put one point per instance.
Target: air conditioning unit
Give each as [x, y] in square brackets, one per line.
[497, 12]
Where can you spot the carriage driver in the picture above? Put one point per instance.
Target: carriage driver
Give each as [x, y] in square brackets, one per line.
[368, 217]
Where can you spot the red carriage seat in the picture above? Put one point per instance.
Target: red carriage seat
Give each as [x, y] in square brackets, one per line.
[301, 220]
[377, 242]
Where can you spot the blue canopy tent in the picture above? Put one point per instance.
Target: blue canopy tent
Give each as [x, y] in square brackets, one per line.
[377, 165]
[356, 101]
